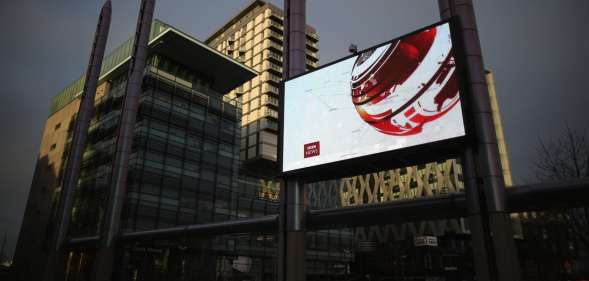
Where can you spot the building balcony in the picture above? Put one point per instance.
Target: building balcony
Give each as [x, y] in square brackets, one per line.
[267, 124]
[268, 112]
[272, 78]
[273, 25]
[269, 33]
[313, 56]
[276, 18]
[269, 100]
[273, 45]
[314, 37]
[267, 88]
[272, 56]
[272, 67]
[152, 70]
[314, 47]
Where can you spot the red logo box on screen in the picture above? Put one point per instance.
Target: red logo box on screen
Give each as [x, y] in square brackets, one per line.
[312, 149]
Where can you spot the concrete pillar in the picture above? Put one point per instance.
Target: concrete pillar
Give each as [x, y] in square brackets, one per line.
[505, 264]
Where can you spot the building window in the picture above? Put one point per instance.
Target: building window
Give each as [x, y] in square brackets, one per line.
[57, 126]
[53, 146]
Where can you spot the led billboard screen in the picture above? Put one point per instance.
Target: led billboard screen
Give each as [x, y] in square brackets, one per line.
[397, 95]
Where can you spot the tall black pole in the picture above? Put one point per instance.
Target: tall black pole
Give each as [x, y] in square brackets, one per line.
[293, 198]
[80, 132]
[505, 264]
[294, 43]
[56, 259]
[477, 220]
[118, 179]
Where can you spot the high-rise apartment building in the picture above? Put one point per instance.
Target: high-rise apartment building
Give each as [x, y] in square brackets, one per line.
[255, 37]
[502, 145]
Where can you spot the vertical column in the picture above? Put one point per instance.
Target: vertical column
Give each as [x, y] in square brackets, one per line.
[57, 258]
[294, 43]
[105, 254]
[291, 254]
[292, 231]
[489, 174]
[3, 245]
[477, 223]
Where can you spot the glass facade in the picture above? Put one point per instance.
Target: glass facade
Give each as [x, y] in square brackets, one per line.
[184, 166]
[110, 62]
[92, 191]
[389, 252]
[250, 256]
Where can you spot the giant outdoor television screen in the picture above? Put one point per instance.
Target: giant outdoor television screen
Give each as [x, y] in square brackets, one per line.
[400, 94]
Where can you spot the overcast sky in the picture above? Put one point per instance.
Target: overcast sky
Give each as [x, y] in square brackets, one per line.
[538, 51]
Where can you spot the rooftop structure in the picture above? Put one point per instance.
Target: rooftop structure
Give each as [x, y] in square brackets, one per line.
[173, 40]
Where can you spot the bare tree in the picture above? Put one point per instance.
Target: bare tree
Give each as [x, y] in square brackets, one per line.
[563, 159]
[566, 158]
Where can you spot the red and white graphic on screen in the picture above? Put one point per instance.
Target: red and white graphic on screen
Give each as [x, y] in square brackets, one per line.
[312, 149]
[399, 87]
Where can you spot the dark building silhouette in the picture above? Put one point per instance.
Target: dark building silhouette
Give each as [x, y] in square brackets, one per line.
[33, 246]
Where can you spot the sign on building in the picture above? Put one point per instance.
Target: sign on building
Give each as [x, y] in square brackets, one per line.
[421, 241]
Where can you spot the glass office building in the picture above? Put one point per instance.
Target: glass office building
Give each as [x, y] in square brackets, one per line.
[182, 168]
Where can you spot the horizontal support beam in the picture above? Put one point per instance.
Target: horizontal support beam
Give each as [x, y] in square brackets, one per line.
[439, 207]
[89, 241]
[532, 197]
[543, 196]
[259, 224]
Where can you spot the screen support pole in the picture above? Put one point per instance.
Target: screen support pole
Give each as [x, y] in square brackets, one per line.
[489, 176]
[291, 251]
[477, 223]
[293, 198]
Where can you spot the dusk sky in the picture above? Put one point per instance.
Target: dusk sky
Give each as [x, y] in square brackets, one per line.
[538, 51]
